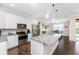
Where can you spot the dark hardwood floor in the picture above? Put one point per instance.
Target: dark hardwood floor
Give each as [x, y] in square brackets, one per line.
[65, 47]
[23, 49]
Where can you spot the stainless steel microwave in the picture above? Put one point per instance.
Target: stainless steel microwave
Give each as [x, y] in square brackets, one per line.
[21, 26]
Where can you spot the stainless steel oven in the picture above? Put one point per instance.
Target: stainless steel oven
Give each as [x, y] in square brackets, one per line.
[21, 26]
[22, 37]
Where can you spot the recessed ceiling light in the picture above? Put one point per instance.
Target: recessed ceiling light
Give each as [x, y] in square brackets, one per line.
[56, 10]
[53, 5]
[11, 4]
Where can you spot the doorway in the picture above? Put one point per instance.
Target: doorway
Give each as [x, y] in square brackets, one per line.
[58, 28]
[77, 30]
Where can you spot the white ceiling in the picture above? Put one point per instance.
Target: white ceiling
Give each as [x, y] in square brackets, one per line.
[45, 10]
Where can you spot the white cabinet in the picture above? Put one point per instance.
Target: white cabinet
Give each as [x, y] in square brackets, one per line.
[24, 20]
[11, 21]
[3, 48]
[2, 19]
[39, 48]
[21, 20]
[8, 20]
[12, 41]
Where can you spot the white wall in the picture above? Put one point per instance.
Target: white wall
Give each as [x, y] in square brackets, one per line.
[66, 28]
[72, 25]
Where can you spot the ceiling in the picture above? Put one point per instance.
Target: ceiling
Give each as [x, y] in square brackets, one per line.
[44, 10]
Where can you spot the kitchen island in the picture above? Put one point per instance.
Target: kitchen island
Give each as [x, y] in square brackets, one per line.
[3, 45]
[45, 44]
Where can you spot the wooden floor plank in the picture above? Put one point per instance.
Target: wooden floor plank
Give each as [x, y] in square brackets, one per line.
[65, 47]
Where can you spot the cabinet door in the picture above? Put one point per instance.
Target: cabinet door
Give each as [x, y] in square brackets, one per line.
[11, 21]
[21, 20]
[2, 19]
[3, 48]
[12, 41]
[24, 20]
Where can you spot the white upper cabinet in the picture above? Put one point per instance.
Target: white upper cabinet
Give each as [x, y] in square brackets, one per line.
[11, 20]
[18, 19]
[2, 19]
[21, 20]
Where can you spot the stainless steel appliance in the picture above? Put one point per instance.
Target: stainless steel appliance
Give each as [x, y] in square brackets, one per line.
[21, 26]
[0, 33]
[22, 37]
[22, 33]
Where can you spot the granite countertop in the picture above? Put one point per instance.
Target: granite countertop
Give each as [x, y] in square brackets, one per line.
[4, 37]
[47, 39]
[16, 34]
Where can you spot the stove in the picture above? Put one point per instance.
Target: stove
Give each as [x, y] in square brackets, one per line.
[22, 37]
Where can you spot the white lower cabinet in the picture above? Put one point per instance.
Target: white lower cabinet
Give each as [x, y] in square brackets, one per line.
[3, 48]
[39, 48]
[12, 41]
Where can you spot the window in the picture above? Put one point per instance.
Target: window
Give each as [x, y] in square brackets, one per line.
[58, 28]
